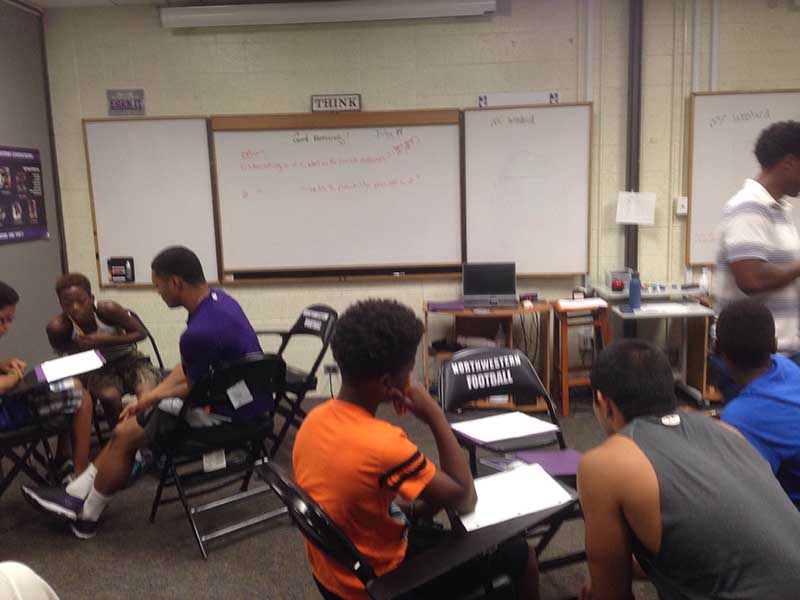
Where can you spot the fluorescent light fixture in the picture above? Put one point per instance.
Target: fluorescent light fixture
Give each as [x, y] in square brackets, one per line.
[332, 11]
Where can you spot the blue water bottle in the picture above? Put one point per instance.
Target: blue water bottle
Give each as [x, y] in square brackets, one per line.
[635, 292]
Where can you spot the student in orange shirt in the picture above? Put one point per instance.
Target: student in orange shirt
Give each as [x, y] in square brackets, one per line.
[356, 465]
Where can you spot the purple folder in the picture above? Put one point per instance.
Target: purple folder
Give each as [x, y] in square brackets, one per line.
[554, 462]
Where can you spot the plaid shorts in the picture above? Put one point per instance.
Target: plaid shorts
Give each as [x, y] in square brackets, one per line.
[61, 397]
[124, 374]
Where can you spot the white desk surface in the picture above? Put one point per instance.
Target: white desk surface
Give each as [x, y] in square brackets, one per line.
[664, 310]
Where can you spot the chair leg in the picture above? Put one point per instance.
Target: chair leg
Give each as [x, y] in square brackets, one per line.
[287, 423]
[189, 515]
[96, 423]
[157, 500]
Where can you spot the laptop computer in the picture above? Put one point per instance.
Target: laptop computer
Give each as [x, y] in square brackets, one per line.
[490, 285]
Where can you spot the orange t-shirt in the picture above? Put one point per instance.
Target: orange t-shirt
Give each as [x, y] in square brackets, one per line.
[353, 465]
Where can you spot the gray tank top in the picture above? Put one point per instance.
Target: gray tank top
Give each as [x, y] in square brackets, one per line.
[110, 353]
[728, 529]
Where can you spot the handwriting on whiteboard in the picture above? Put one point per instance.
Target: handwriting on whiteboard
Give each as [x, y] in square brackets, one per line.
[524, 119]
[363, 185]
[739, 117]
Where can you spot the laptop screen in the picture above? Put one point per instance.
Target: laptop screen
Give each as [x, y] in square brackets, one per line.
[490, 279]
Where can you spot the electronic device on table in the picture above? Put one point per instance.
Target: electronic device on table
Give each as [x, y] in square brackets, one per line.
[490, 285]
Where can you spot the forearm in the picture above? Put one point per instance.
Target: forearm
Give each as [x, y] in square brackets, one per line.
[121, 339]
[760, 276]
[451, 459]
[174, 385]
[8, 382]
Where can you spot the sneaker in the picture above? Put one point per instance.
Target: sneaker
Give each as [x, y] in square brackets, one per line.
[54, 501]
[84, 530]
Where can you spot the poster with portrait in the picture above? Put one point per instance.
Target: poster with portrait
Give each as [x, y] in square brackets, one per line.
[22, 214]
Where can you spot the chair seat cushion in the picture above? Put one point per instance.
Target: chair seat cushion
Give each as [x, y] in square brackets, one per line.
[558, 463]
[226, 435]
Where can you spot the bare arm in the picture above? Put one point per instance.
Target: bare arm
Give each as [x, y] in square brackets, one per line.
[608, 543]
[114, 314]
[755, 276]
[59, 332]
[452, 486]
[174, 385]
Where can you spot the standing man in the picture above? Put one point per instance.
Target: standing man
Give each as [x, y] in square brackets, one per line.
[689, 498]
[217, 330]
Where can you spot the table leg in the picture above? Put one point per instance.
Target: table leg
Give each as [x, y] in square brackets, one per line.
[564, 326]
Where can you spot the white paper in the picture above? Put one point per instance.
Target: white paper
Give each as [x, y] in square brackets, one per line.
[214, 461]
[72, 365]
[510, 494]
[585, 304]
[504, 427]
[636, 208]
[239, 394]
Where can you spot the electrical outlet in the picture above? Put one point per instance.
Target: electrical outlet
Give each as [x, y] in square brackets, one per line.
[586, 343]
[681, 206]
[330, 370]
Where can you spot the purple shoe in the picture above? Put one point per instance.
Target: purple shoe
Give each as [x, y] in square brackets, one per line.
[54, 501]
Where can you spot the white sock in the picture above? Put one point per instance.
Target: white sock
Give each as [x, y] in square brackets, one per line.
[94, 505]
[82, 484]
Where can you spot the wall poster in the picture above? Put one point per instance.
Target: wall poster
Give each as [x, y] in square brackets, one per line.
[22, 214]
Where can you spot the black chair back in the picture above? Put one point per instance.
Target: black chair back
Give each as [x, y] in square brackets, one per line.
[150, 337]
[314, 524]
[317, 320]
[263, 374]
[477, 373]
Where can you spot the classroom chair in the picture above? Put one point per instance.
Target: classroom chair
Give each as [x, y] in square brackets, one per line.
[102, 429]
[28, 450]
[316, 321]
[320, 530]
[184, 453]
[521, 381]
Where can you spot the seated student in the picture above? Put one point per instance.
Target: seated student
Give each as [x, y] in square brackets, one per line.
[62, 399]
[354, 464]
[108, 327]
[694, 502]
[767, 409]
[216, 330]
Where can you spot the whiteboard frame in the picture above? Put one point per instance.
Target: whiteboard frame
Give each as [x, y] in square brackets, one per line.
[334, 120]
[589, 186]
[143, 286]
[690, 169]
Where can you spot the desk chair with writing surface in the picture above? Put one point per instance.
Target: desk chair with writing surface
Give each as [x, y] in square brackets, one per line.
[28, 450]
[316, 321]
[520, 380]
[321, 531]
[263, 374]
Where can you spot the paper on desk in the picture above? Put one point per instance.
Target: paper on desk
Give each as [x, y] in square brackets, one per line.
[72, 365]
[503, 427]
[636, 208]
[510, 494]
[586, 304]
[667, 308]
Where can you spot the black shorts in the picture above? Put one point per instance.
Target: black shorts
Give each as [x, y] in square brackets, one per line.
[510, 558]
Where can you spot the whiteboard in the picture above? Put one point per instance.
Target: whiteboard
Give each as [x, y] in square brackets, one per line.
[339, 198]
[724, 131]
[151, 188]
[527, 187]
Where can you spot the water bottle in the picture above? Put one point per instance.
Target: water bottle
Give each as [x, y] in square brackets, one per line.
[635, 292]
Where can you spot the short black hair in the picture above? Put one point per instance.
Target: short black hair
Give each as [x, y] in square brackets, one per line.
[375, 337]
[776, 142]
[73, 280]
[180, 262]
[637, 377]
[746, 334]
[8, 295]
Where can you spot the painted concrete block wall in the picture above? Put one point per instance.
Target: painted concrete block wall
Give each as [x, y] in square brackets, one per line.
[399, 65]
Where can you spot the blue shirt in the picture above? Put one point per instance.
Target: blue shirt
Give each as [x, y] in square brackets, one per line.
[218, 330]
[767, 413]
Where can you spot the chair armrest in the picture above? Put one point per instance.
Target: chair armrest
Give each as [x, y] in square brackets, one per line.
[281, 333]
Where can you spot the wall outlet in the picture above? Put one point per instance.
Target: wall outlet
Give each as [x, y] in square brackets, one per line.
[330, 370]
[586, 343]
[681, 206]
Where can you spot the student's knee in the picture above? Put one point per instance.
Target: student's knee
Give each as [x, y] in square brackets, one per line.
[128, 435]
[110, 395]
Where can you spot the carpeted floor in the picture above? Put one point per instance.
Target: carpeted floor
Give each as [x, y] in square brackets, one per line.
[130, 558]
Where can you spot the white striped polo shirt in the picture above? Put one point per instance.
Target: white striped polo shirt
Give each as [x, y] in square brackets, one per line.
[756, 226]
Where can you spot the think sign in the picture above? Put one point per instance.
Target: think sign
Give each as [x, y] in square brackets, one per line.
[125, 102]
[335, 102]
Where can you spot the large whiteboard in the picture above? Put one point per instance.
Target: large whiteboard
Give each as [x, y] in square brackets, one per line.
[725, 127]
[527, 187]
[151, 188]
[339, 198]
